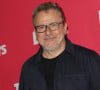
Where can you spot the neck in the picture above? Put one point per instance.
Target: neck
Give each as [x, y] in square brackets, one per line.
[54, 53]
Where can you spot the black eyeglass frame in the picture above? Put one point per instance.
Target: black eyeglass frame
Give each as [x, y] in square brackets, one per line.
[58, 23]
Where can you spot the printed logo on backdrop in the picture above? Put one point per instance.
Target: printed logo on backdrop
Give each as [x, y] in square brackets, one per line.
[16, 85]
[3, 50]
[35, 41]
[99, 16]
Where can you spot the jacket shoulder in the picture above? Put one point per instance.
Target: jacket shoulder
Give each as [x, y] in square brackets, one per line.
[29, 62]
[83, 50]
[85, 54]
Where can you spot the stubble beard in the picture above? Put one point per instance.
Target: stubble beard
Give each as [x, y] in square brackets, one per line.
[56, 46]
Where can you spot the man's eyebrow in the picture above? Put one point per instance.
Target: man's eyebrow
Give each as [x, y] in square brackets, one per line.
[46, 25]
[40, 25]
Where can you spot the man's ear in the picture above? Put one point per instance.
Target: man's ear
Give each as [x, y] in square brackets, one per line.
[35, 32]
[65, 28]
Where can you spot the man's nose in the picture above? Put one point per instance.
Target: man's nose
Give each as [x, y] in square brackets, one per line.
[48, 31]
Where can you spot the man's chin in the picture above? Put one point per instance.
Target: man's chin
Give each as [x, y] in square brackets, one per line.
[50, 48]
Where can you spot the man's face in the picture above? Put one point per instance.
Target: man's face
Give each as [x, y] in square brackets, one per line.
[50, 40]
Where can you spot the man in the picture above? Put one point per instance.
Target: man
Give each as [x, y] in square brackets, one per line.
[59, 64]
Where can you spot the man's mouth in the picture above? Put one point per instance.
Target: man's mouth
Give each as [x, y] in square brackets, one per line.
[49, 38]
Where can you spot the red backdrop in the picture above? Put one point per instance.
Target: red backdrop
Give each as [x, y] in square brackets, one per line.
[17, 39]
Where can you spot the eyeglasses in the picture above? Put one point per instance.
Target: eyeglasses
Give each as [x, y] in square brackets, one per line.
[52, 26]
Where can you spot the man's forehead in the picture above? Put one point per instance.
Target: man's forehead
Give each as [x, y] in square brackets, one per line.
[47, 17]
[49, 11]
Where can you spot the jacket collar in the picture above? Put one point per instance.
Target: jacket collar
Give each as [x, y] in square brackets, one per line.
[69, 46]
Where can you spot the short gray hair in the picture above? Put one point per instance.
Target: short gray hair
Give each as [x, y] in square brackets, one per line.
[47, 6]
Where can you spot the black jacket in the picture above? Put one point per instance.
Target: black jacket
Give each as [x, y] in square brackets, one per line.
[77, 69]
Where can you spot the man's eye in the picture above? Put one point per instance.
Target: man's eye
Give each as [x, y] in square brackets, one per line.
[41, 27]
[53, 24]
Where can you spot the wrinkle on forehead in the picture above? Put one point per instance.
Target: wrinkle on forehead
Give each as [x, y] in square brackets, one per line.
[48, 16]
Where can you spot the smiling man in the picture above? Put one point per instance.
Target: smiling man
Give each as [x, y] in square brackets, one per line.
[59, 64]
[50, 32]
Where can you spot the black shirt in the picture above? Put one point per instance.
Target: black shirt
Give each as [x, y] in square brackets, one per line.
[47, 68]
